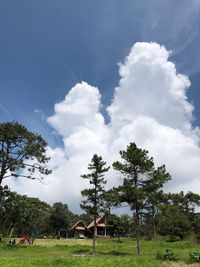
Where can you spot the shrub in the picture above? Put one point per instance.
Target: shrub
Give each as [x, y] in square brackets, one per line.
[194, 256]
[168, 255]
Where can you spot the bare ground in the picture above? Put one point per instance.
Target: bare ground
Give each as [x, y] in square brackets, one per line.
[178, 264]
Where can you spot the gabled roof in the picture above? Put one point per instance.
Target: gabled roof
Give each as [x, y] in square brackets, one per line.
[78, 226]
[98, 222]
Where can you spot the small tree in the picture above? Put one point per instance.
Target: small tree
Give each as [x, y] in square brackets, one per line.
[21, 149]
[60, 218]
[136, 170]
[174, 223]
[93, 196]
[155, 195]
[120, 225]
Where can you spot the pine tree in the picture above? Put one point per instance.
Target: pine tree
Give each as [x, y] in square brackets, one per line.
[20, 150]
[136, 170]
[93, 195]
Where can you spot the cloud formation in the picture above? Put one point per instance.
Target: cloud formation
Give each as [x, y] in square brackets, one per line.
[149, 107]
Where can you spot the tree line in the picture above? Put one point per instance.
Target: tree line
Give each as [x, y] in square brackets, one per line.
[153, 212]
[22, 215]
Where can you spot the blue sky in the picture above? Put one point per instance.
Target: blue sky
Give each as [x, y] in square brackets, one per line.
[47, 47]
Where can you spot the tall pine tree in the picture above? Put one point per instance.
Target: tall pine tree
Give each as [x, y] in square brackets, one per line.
[93, 195]
[136, 169]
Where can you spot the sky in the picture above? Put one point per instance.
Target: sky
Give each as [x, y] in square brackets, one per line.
[92, 76]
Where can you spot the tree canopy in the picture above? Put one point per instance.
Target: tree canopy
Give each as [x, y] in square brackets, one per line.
[21, 149]
[140, 180]
[93, 202]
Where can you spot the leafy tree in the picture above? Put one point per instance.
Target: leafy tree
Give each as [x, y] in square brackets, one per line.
[139, 181]
[4, 194]
[196, 225]
[93, 196]
[174, 223]
[187, 204]
[21, 149]
[119, 225]
[191, 202]
[23, 215]
[154, 207]
[155, 196]
[60, 218]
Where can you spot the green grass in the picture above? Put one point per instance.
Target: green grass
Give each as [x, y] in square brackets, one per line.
[75, 253]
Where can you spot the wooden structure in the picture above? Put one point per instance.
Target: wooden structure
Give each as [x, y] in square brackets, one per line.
[78, 230]
[102, 228]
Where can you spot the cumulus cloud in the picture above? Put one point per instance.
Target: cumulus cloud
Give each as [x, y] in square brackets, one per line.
[149, 86]
[149, 107]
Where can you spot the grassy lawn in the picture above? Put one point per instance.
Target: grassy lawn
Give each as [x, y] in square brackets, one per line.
[75, 253]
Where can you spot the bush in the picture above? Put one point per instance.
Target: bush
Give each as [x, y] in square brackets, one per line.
[168, 255]
[194, 256]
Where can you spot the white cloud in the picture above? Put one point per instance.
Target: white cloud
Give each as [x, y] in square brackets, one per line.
[150, 107]
[149, 86]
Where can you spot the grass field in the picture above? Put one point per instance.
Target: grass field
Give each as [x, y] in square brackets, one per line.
[76, 253]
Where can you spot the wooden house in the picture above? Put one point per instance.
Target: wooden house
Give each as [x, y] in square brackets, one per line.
[102, 228]
[78, 230]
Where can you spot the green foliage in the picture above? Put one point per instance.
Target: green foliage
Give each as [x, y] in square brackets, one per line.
[121, 226]
[93, 202]
[21, 149]
[93, 196]
[174, 222]
[194, 256]
[196, 225]
[24, 215]
[86, 217]
[141, 184]
[168, 255]
[110, 199]
[60, 218]
[21, 213]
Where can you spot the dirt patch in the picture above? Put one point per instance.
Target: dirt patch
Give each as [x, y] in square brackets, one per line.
[178, 264]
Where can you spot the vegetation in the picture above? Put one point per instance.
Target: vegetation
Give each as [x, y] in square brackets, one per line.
[21, 149]
[194, 256]
[22, 215]
[155, 214]
[168, 255]
[93, 202]
[75, 253]
[141, 183]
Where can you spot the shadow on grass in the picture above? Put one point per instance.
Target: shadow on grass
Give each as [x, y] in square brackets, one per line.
[12, 246]
[81, 250]
[115, 253]
[117, 241]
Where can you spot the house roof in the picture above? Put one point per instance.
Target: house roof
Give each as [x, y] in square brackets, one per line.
[98, 220]
[102, 225]
[78, 226]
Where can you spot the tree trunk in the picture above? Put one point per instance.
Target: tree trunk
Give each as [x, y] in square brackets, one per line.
[1, 178]
[11, 232]
[154, 224]
[94, 237]
[32, 240]
[154, 230]
[118, 238]
[137, 221]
